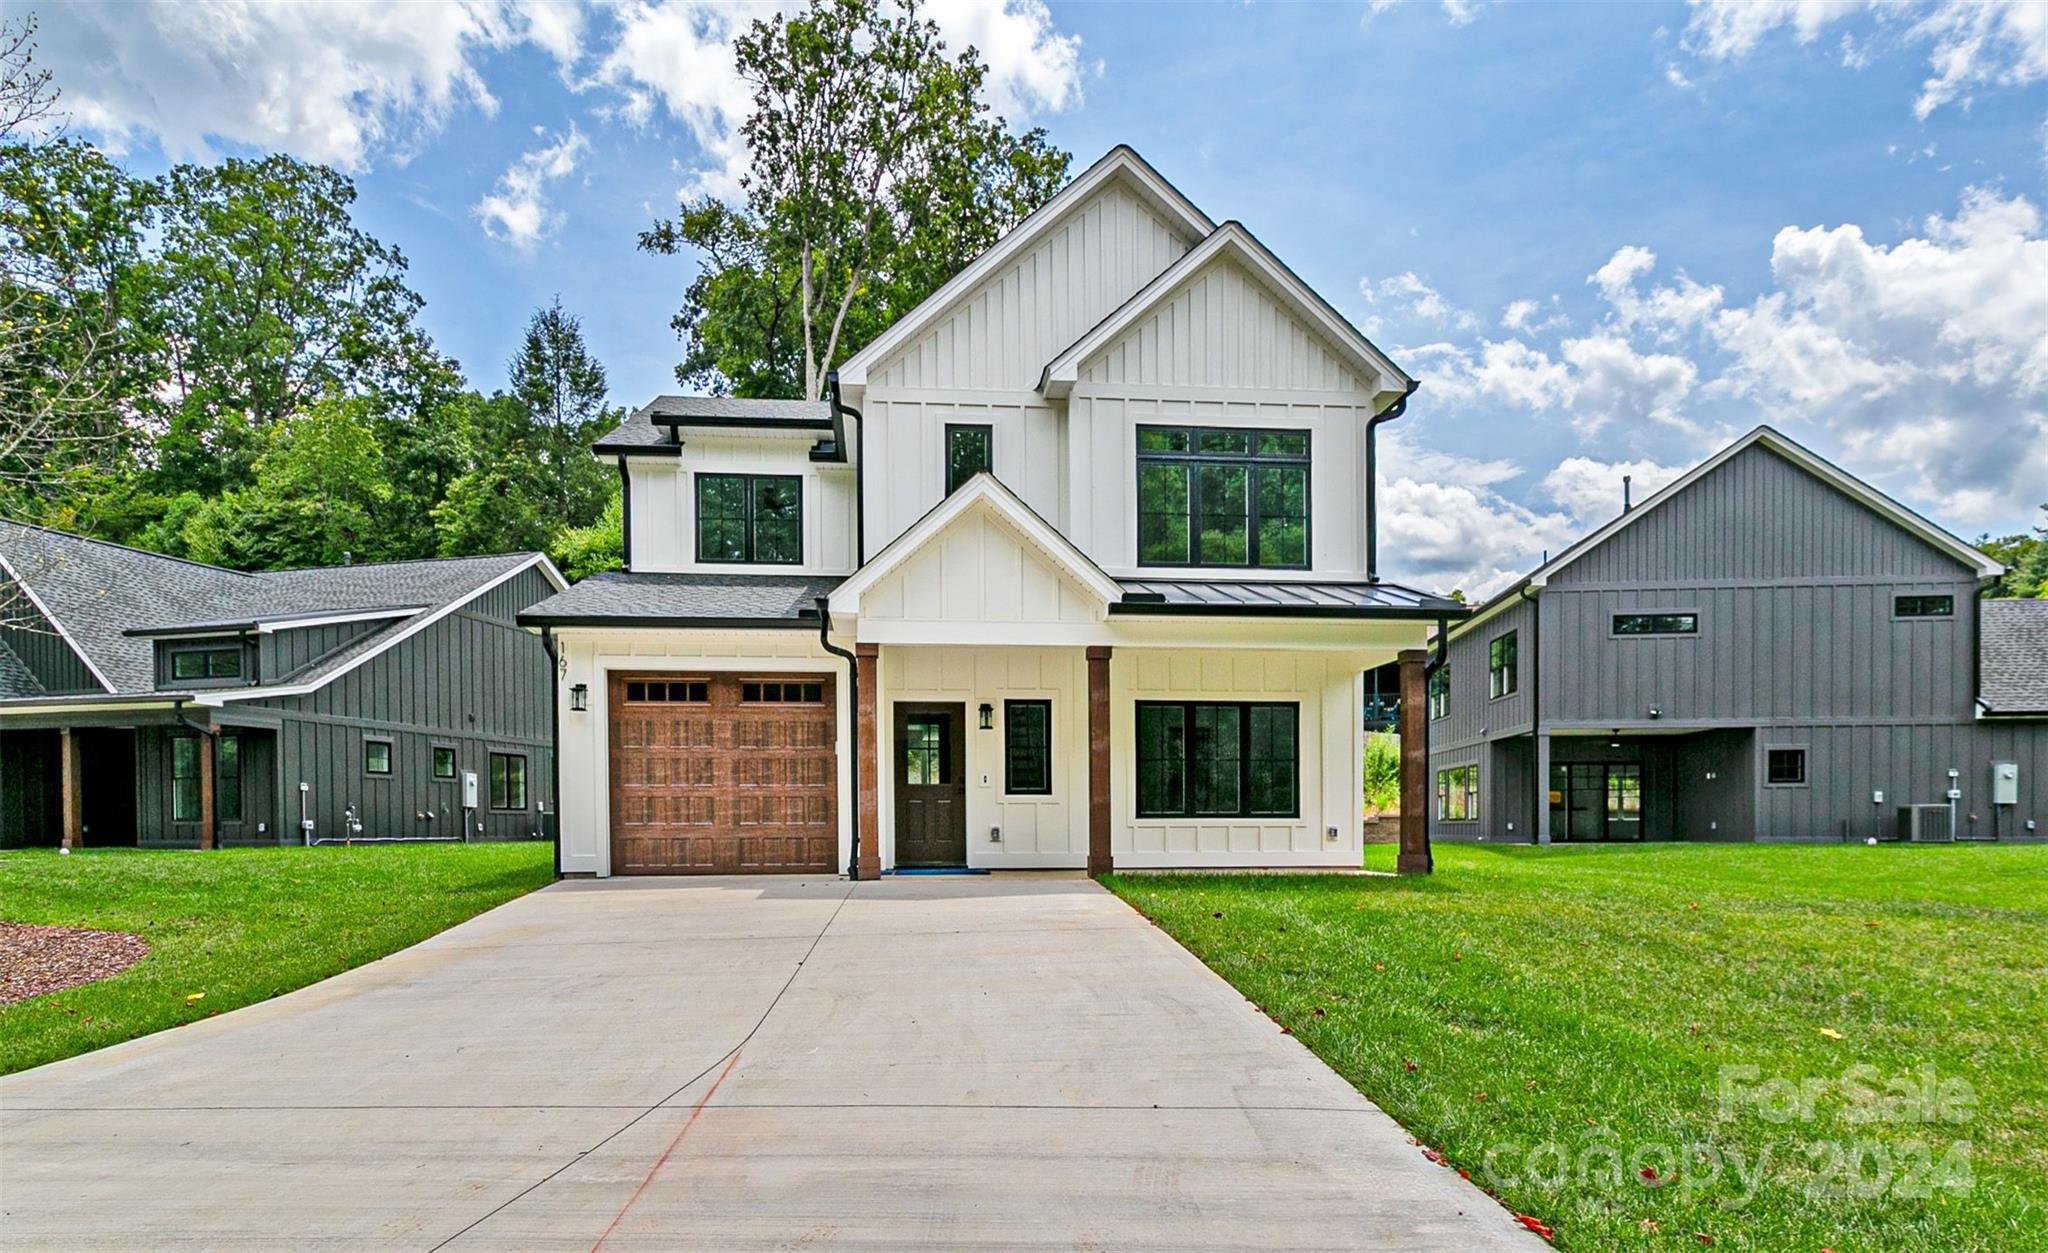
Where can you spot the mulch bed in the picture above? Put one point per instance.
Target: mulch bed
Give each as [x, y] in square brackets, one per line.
[35, 960]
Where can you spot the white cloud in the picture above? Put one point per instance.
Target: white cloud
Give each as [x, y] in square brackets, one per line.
[1533, 316]
[1970, 43]
[1676, 77]
[1456, 12]
[1454, 535]
[1613, 381]
[516, 211]
[1668, 310]
[1032, 68]
[1591, 491]
[1409, 300]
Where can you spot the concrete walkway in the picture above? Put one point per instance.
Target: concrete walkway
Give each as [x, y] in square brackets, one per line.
[735, 1064]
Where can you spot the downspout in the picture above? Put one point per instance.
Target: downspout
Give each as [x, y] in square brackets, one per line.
[625, 515]
[552, 648]
[1372, 479]
[1443, 652]
[1537, 787]
[853, 682]
[860, 468]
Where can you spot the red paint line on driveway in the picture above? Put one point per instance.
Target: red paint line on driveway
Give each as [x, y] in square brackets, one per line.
[662, 1161]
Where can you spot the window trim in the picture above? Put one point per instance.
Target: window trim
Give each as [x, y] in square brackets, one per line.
[1009, 705]
[1614, 623]
[1244, 759]
[454, 774]
[390, 757]
[1252, 463]
[988, 434]
[1805, 778]
[749, 478]
[491, 796]
[1897, 616]
[1513, 670]
[207, 650]
[1442, 791]
[1436, 693]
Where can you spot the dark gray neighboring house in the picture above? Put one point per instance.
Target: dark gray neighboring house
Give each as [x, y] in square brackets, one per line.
[1768, 648]
[196, 706]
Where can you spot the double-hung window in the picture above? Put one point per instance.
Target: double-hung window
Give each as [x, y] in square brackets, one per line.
[1212, 496]
[508, 781]
[750, 518]
[1457, 794]
[1501, 676]
[1201, 759]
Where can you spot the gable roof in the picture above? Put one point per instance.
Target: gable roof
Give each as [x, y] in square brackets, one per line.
[107, 601]
[984, 489]
[1119, 163]
[2013, 670]
[1791, 450]
[1232, 241]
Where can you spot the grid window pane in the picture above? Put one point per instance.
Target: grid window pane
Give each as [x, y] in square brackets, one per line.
[1223, 497]
[1163, 514]
[1272, 765]
[778, 520]
[1214, 777]
[1162, 760]
[1283, 515]
[924, 752]
[1226, 759]
[1027, 747]
[1155, 439]
[1786, 765]
[1225, 529]
[721, 517]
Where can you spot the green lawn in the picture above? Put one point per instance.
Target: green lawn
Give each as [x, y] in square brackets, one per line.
[1556, 1022]
[240, 925]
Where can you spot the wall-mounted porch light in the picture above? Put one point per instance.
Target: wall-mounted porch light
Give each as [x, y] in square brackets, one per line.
[988, 717]
[579, 697]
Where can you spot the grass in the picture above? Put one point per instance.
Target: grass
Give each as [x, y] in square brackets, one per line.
[1555, 1022]
[1382, 762]
[239, 925]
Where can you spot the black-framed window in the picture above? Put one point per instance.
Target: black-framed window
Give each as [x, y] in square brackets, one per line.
[1457, 794]
[1204, 759]
[184, 778]
[227, 778]
[376, 756]
[1923, 606]
[1501, 670]
[1439, 691]
[1785, 767]
[207, 663]
[1656, 624]
[783, 693]
[687, 691]
[444, 761]
[1027, 747]
[508, 781]
[753, 519]
[927, 751]
[970, 449]
[1220, 496]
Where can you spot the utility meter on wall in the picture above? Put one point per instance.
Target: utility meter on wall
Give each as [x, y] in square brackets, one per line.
[469, 789]
[2005, 783]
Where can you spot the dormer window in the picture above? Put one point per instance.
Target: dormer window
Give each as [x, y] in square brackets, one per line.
[207, 663]
[1210, 496]
[755, 519]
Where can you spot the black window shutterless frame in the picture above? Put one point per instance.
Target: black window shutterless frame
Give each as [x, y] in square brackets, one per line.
[1267, 457]
[970, 449]
[1184, 783]
[738, 526]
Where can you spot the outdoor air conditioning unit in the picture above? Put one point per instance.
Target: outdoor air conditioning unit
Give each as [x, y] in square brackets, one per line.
[1926, 824]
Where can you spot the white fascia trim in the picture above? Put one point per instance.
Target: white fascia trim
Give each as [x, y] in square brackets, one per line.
[56, 625]
[1059, 375]
[29, 707]
[983, 488]
[1120, 161]
[406, 632]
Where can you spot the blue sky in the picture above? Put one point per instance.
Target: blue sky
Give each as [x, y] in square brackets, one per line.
[1608, 237]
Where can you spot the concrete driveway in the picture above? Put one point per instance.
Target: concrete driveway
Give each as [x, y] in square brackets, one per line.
[734, 1064]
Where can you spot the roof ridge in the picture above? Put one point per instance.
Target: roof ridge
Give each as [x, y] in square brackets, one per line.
[126, 548]
[385, 565]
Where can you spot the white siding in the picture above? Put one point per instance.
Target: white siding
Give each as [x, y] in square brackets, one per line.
[906, 446]
[664, 509]
[978, 572]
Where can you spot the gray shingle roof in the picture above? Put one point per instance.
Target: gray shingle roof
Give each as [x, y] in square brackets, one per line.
[97, 592]
[15, 678]
[2014, 672]
[620, 599]
[649, 429]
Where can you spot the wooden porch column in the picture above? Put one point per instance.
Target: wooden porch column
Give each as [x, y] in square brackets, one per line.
[209, 831]
[73, 790]
[1542, 789]
[1414, 858]
[867, 771]
[1100, 862]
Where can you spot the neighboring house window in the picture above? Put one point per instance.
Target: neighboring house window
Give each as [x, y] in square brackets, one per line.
[185, 778]
[754, 518]
[444, 762]
[1923, 606]
[1210, 497]
[207, 663]
[1207, 760]
[687, 690]
[1656, 624]
[1027, 747]
[782, 693]
[1440, 692]
[376, 756]
[1785, 766]
[227, 778]
[968, 452]
[1457, 794]
[508, 781]
[1500, 666]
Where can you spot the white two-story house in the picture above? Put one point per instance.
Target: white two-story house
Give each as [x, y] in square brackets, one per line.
[1073, 567]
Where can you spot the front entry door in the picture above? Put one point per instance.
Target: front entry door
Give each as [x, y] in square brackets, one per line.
[931, 785]
[1596, 800]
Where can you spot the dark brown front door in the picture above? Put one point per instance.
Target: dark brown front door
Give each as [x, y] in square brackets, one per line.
[931, 785]
[723, 774]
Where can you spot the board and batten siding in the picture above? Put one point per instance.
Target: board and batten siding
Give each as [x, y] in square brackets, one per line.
[29, 636]
[664, 512]
[905, 443]
[283, 654]
[979, 572]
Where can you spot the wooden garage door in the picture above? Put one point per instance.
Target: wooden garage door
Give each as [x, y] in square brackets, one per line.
[723, 774]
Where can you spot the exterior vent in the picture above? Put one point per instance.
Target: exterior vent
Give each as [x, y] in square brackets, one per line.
[1926, 824]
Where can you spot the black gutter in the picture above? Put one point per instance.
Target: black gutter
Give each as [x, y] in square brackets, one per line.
[638, 450]
[615, 620]
[1158, 608]
[625, 515]
[745, 424]
[1372, 479]
[860, 467]
[1443, 653]
[852, 681]
[1538, 788]
[549, 644]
